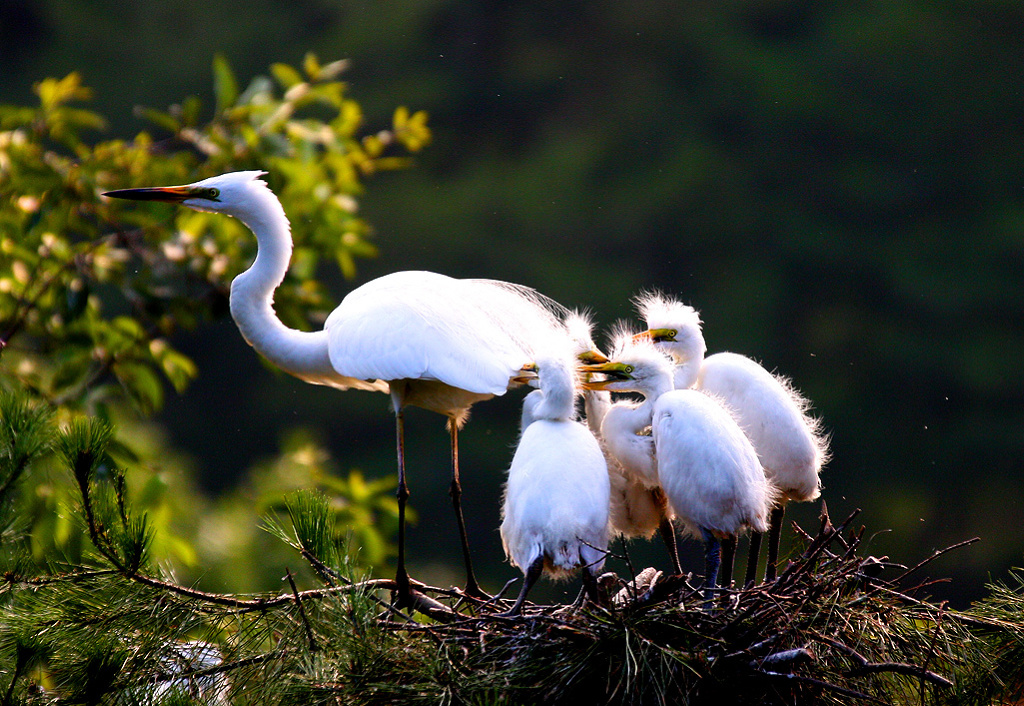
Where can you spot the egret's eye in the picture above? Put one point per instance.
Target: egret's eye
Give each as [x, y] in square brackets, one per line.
[212, 194]
[628, 369]
[672, 333]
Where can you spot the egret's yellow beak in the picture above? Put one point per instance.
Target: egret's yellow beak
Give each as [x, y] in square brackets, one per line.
[526, 375]
[612, 370]
[656, 335]
[592, 357]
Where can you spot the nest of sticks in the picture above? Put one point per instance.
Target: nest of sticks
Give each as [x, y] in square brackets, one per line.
[832, 628]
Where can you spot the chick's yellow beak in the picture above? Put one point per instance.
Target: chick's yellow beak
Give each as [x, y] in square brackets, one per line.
[612, 370]
[592, 357]
[656, 335]
[526, 375]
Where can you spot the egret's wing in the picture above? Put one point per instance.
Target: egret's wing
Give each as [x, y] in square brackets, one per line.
[775, 418]
[706, 465]
[421, 325]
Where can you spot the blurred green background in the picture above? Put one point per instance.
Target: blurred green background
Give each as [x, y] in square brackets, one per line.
[836, 186]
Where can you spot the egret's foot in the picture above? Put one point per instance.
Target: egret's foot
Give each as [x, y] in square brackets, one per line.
[516, 611]
[529, 578]
[473, 590]
[401, 595]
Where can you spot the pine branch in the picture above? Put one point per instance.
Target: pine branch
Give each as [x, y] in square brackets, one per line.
[302, 611]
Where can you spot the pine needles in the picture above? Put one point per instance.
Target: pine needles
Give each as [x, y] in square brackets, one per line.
[834, 628]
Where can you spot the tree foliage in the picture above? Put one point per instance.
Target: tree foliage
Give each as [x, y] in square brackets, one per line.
[92, 290]
[92, 293]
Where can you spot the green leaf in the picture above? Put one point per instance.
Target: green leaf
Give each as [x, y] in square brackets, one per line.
[83, 446]
[311, 66]
[80, 118]
[178, 368]
[71, 370]
[160, 119]
[142, 385]
[285, 75]
[225, 87]
[190, 108]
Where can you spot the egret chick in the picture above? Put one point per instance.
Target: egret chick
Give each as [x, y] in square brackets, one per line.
[428, 340]
[773, 414]
[701, 458]
[636, 509]
[555, 510]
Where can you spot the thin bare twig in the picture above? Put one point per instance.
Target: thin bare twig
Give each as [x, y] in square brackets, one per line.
[935, 555]
[302, 611]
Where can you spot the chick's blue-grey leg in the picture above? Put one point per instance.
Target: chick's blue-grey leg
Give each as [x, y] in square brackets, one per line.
[750, 577]
[532, 574]
[728, 561]
[774, 538]
[712, 561]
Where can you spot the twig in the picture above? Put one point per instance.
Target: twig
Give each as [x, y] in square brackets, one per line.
[826, 536]
[326, 572]
[228, 666]
[935, 555]
[302, 611]
[865, 666]
[931, 647]
[900, 668]
[825, 685]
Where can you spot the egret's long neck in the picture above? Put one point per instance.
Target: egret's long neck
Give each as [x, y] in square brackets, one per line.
[689, 357]
[596, 404]
[623, 434]
[640, 416]
[252, 294]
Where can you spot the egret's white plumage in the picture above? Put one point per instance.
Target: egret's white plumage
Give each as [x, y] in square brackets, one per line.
[703, 462]
[774, 416]
[707, 466]
[555, 511]
[789, 442]
[429, 340]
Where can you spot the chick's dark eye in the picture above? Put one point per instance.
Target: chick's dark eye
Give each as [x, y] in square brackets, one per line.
[629, 368]
[212, 194]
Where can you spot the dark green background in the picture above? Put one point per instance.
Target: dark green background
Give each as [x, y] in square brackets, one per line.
[836, 186]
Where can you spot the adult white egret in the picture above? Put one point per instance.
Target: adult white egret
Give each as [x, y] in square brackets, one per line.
[636, 509]
[429, 340]
[555, 510]
[773, 414]
[696, 452]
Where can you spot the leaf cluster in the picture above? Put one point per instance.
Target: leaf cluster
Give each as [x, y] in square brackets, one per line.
[91, 290]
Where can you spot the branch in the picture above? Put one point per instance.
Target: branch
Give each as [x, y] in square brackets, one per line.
[302, 612]
[864, 666]
[900, 668]
[825, 685]
[935, 555]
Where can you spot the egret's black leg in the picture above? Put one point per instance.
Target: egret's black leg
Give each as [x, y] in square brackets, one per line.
[774, 537]
[712, 561]
[591, 589]
[728, 560]
[404, 589]
[750, 578]
[455, 491]
[532, 574]
[668, 535]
